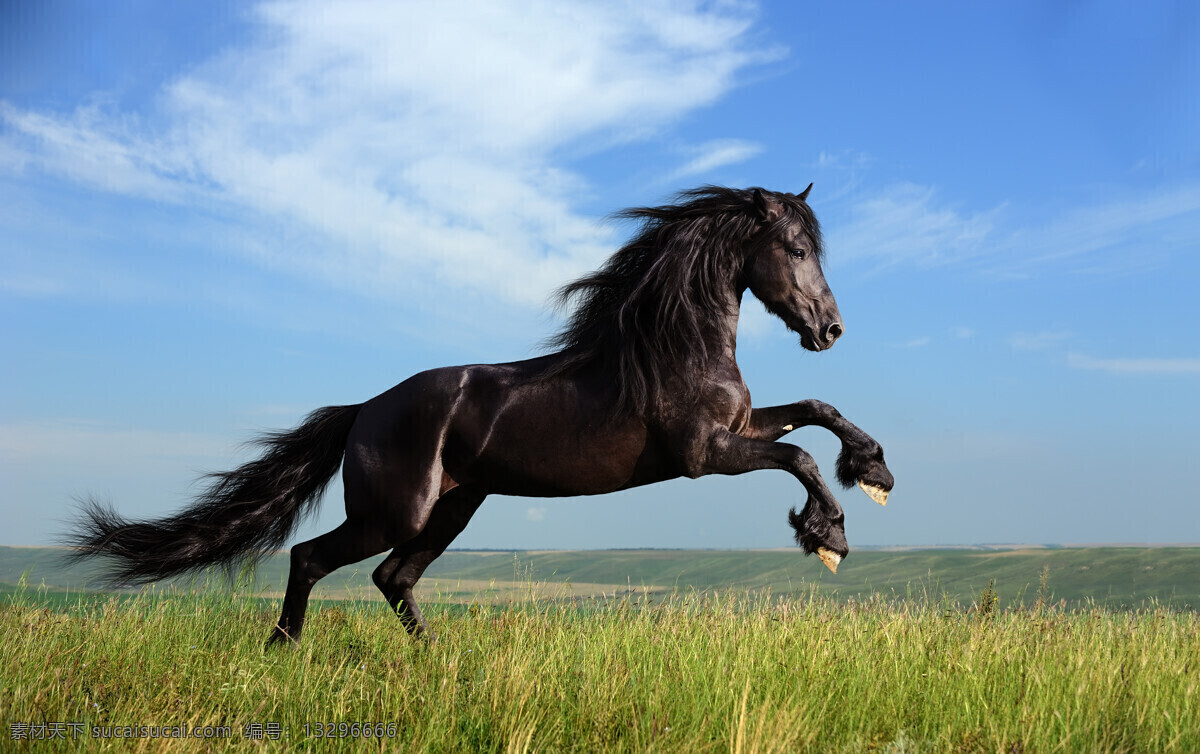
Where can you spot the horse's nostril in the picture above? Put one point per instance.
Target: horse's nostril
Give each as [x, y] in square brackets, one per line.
[833, 332]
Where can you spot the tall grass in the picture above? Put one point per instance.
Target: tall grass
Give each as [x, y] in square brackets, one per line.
[719, 672]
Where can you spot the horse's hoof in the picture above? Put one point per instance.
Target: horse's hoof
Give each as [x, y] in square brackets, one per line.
[280, 639]
[878, 494]
[829, 558]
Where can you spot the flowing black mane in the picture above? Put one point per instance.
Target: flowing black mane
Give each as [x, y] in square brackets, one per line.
[641, 316]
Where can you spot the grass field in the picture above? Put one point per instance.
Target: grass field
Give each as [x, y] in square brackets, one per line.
[743, 672]
[1027, 650]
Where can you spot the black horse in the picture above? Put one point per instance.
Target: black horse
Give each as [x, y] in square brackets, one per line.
[644, 387]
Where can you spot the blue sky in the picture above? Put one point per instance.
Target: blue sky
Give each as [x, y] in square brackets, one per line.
[215, 217]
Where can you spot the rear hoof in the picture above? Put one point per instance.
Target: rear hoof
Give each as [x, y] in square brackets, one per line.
[422, 632]
[280, 639]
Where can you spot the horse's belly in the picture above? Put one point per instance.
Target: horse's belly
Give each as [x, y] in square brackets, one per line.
[515, 434]
[552, 448]
[551, 462]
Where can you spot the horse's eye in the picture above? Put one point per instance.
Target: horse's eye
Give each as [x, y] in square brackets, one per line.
[797, 253]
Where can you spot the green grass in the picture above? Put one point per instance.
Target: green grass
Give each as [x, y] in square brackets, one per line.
[1083, 649]
[724, 671]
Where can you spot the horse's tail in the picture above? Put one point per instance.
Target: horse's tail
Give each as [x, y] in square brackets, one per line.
[242, 515]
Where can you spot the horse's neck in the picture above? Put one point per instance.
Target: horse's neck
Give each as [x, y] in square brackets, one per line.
[720, 338]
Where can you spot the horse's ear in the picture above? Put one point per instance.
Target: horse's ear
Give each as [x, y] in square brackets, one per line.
[768, 210]
[804, 194]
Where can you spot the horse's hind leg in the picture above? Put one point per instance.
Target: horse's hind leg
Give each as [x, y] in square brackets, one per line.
[316, 558]
[397, 574]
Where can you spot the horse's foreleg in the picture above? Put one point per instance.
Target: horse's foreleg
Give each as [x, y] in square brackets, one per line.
[861, 459]
[398, 574]
[820, 527]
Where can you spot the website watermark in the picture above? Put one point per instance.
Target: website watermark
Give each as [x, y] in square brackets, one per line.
[49, 730]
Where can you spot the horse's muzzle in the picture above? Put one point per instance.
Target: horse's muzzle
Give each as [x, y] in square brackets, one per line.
[830, 333]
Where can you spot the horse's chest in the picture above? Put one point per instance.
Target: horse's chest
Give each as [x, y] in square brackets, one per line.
[727, 404]
[740, 418]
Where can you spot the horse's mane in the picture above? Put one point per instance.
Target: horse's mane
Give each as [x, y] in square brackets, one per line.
[640, 318]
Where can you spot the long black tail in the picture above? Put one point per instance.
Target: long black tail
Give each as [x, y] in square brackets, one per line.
[242, 515]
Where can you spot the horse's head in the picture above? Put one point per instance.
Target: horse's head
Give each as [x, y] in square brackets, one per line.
[783, 269]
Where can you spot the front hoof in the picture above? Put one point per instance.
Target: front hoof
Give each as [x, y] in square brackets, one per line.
[815, 533]
[876, 493]
[829, 558]
[859, 466]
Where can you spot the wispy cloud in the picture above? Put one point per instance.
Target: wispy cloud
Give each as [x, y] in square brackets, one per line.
[910, 224]
[410, 139]
[907, 224]
[1161, 219]
[98, 148]
[843, 160]
[33, 285]
[716, 154]
[1038, 341]
[1134, 366]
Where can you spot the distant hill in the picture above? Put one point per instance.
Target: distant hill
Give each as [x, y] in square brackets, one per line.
[1112, 576]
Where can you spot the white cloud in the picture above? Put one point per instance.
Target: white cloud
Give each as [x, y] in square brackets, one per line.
[905, 224]
[535, 514]
[843, 160]
[1039, 341]
[716, 154]
[1164, 218]
[1134, 366]
[908, 224]
[97, 148]
[410, 139]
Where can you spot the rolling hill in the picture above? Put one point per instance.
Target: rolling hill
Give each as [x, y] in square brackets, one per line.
[1117, 577]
